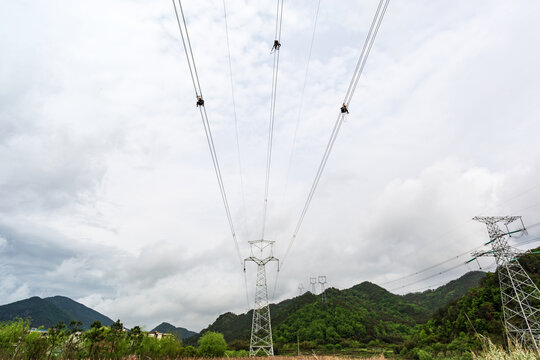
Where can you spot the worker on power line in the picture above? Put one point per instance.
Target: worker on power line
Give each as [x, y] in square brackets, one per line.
[200, 101]
[344, 109]
[276, 46]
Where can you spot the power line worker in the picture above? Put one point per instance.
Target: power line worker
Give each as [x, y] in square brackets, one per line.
[276, 46]
[344, 109]
[200, 101]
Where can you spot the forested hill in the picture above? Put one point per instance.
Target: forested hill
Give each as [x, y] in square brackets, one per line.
[48, 312]
[439, 297]
[362, 313]
[179, 332]
[479, 311]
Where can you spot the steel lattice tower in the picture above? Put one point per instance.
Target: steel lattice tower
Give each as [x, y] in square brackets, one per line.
[322, 282]
[313, 283]
[519, 295]
[261, 327]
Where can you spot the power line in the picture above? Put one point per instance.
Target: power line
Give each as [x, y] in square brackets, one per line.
[301, 106]
[520, 243]
[204, 117]
[429, 277]
[240, 171]
[374, 28]
[528, 241]
[432, 266]
[275, 70]
[492, 266]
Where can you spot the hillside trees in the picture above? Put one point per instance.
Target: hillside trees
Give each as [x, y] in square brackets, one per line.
[454, 327]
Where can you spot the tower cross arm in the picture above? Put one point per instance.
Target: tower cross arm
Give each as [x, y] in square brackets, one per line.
[258, 261]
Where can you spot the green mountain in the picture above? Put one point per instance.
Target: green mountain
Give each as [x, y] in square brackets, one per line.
[362, 314]
[49, 311]
[42, 312]
[439, 297]
[179, 332]
[454, 326]
[79, 312]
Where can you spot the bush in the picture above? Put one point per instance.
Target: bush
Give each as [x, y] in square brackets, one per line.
[212, 344]
[12, 335]
[237, 354]
[239, 345]
[170, 348]
[189, 351]
[35, 346]
[424, 355]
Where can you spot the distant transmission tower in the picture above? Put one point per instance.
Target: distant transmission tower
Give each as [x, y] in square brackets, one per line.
[261, 327]
[322, 282]
[300, 289]
[520, 296]
[313, 283]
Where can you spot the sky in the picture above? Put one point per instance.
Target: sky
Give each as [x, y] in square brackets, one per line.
[108, 195]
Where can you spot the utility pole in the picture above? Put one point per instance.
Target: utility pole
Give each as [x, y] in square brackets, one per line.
[300, 289]
[261, 327]
[313, 282]
[520, 296]
[322, 282]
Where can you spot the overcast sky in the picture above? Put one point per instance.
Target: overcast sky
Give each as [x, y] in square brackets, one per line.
[107, 191]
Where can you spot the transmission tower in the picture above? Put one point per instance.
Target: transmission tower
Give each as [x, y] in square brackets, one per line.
[313, 283]
[520, 296]
[322, 282]
[261, 327]
[300, 289]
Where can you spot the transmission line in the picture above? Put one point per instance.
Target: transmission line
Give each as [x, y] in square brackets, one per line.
[429, 277]
[235, 117]
[490, 267]
[301, 106]
[374, 28]
[182, 26]
[521, 243]
[275, 70]
[432, 266]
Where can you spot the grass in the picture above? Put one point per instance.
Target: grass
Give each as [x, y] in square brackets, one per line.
[491, 351]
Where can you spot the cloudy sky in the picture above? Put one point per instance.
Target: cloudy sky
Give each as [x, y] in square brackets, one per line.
[107, 190]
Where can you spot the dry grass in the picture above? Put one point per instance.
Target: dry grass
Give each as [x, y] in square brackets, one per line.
[492, 352]
[302, 357]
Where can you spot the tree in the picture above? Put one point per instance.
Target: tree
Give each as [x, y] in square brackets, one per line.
[135, 337]
[55, 336]
[115, 337]
[189, 351]
[212, 344]
[35, 346]
[95, 336]
[73, 345]
[12, 336]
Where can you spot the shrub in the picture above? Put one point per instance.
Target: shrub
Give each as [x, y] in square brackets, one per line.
[424, 355]
[12, 335]
[212, 344]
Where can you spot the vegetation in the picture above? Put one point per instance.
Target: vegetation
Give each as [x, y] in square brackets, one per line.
[179, 332]
[362, 321]
[212, 344]
[492, 352]
[453, 329]
[50, 311]
[363, 314]
[437, 298]
[99, 342]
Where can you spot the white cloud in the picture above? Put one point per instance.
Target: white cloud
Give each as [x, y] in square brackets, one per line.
[108, 194]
